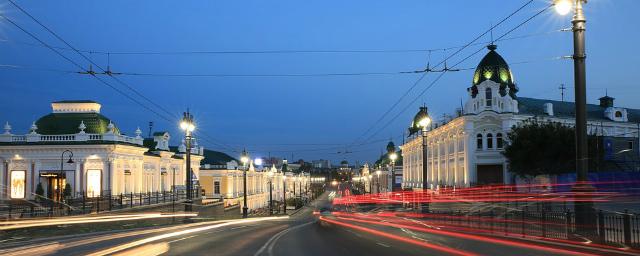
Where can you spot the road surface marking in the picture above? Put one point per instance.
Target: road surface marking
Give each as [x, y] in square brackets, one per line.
[177, 233]
[356, 234]
[237, 227]
[383, 245]
[274, 239]
[184, 238]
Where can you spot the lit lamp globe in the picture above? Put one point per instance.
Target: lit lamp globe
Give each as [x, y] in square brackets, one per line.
[563, 7]
[393, 156]
[244, 158]
[421, 120]
[186, 124]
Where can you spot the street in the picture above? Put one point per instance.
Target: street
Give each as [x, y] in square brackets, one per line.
[303, 233]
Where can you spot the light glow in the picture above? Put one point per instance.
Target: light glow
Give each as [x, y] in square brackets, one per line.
[563, 7]
[424, 122]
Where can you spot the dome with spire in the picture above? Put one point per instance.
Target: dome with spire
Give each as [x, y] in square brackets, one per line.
[494, 68]
[391, 147]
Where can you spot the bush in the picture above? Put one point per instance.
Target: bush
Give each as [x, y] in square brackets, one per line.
[297, 202]
[67, 191]
[39, 192]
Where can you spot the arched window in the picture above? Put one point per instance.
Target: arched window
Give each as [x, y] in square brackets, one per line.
[499, 142]
[488, 96]
[489, 140]
[618, 114]
[479, 141]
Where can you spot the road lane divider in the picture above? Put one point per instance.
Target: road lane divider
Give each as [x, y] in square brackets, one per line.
[268, 246]
[140, 242]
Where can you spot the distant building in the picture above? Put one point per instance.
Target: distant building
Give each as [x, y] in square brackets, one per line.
[321, 164]
[466, 150]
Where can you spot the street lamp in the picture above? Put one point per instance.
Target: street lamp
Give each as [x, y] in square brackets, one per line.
[584, 209]
[270, 175]
[284, 195]
[58, 197]
[421, 122]
[393, 156]
[378, 179]
[244, 158]
[187, 125]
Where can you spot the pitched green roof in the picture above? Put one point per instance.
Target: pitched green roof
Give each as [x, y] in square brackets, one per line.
[68, 123]
[216, 157]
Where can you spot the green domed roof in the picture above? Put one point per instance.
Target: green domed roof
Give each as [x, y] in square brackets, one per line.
[68, 123]
[493, 67]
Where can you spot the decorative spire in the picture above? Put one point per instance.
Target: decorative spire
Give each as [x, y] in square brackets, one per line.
[183, 147]
[138, 132]
[7, 128]
[82, 127]
[111, 127]
[33, 128]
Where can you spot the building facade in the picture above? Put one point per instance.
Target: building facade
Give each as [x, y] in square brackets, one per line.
[77, 146]
[466, 150]
[227, 184]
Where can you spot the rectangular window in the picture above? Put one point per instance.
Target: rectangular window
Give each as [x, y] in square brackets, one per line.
[216, 187]
[18, 184]
[630, 144]
[94, 180]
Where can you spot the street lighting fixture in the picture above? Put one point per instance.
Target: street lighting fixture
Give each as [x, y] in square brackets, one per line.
[421, 122]
[188, 126]
[583, 209]
[244, 158]
[563, 7]
[270, 176]
[393, 156]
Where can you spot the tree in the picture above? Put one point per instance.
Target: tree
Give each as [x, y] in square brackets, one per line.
[39, 192]
[67, 191]
[535, 148]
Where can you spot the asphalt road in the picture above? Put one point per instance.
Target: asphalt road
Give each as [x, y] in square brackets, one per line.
[300, 234]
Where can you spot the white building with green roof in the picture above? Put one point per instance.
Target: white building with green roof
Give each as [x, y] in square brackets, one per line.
[466, 149]
[103, 160]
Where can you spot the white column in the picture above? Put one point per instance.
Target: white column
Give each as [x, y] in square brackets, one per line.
[111, 174]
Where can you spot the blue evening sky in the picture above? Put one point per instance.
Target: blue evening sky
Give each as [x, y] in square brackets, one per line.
[309, 117]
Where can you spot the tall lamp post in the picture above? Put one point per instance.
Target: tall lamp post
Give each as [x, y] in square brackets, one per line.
[584, 209]
[393, 156]
[270, 174]
[284, 194]
[244, 158]
[420, 122]
[284, 183]
[188, 126]
[378, 180]
[58, 197]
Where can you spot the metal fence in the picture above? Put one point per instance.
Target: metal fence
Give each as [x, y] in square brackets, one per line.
[83, 204]
[611, 228]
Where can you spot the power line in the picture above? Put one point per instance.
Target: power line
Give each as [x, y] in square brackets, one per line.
[456, 64]
[91, 61]
[80, 67]
[443, 61]
[88, 59]
[321, 51]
